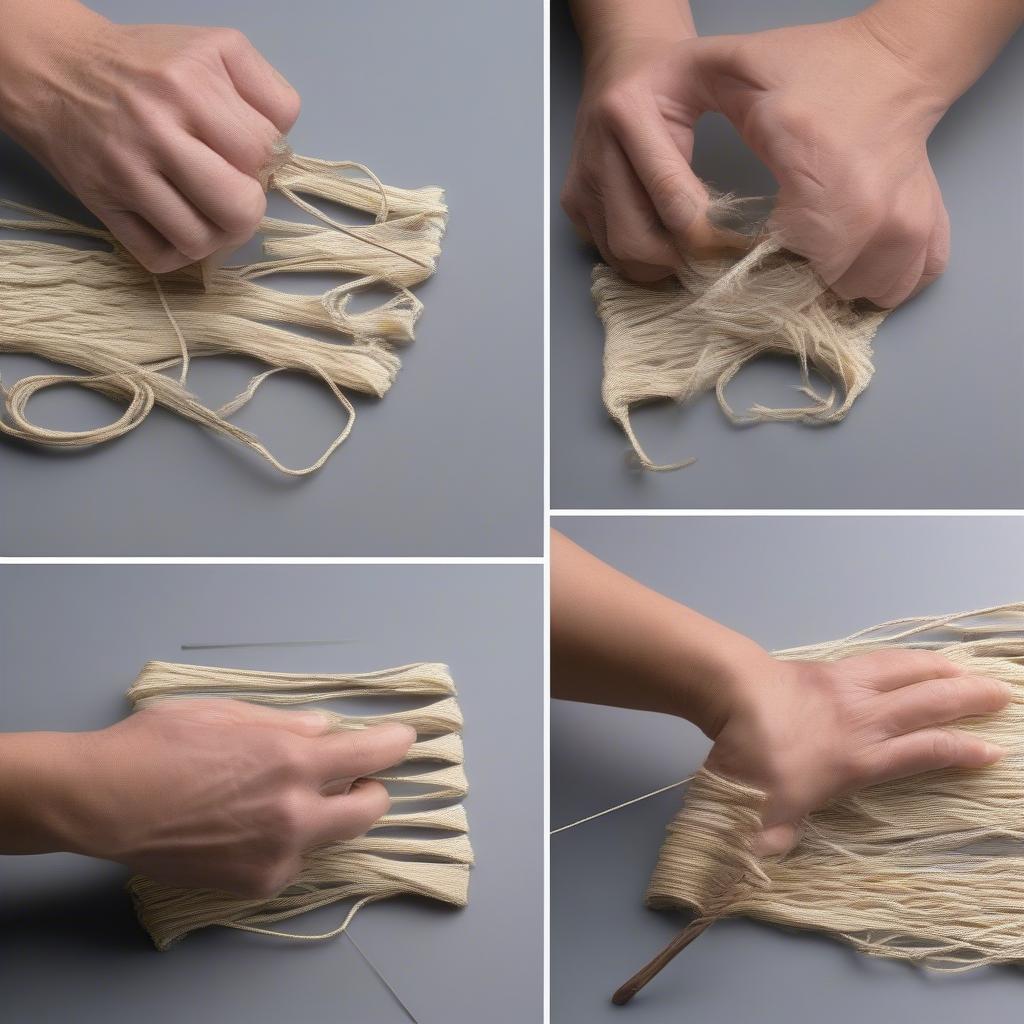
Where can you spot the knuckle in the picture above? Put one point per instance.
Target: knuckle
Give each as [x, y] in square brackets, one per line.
[176, 76]
[230, 37]
[291, 106]
[244, 214]
[286, 821]
[946, 696]
[668, 189]
[615, 106]
[944, 747]
[994, 691]
[907, 228]
[287, 757]
[628, 248]
[267, 881]
[793, 118]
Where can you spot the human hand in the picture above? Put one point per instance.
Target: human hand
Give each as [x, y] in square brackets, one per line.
[838, 113]
[808, 732]
[223, 794]
[160, 130]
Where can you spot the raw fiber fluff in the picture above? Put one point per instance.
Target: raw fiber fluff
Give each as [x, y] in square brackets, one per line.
[693, 334]
[423, 849]
[103, 313]
[928, 869]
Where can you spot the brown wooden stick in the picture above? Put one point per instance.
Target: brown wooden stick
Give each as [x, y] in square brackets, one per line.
[669, 953]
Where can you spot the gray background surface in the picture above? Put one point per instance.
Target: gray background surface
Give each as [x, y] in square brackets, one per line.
[450, 462]
[73, 638]
[940, 425]
[782, 581]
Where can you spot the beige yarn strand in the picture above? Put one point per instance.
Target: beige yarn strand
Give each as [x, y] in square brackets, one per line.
[928, 869]
[99, 311]
[693, 335]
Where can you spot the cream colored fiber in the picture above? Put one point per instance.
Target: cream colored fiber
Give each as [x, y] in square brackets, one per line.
[99, 311]
[692, 335]
[416, 849]
[927, 869]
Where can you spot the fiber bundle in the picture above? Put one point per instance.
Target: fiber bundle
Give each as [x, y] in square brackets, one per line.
[683, 338]
[98, 310]
[928, 869]
[422, 849]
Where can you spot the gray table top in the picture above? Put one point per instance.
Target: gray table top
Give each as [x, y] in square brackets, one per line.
[940, 425]
[450, 462]
[72, 640]
[783, 581]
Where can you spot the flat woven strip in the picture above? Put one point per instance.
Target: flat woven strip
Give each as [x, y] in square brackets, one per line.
[928, 869]
[101, 312]
[420, 849]
[692, 335]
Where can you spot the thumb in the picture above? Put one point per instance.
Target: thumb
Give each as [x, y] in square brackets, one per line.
[776, 840]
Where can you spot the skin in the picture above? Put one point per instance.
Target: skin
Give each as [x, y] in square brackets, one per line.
[803, 732]
[840, 112]
[160, 130]
[214, 794]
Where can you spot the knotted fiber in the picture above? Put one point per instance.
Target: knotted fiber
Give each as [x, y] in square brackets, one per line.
[681, 339]
[422, 849]
[928, 869]
[103, 313]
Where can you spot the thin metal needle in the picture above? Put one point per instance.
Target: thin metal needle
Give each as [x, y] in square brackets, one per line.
[618, 807]
[267, 643]
[384, 981]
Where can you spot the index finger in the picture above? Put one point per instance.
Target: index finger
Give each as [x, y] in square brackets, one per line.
[357, 753]
[889, 670]
[678, 195]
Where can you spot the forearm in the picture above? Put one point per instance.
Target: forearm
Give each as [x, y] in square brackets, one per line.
[33, 53]
[616, 642]
[40, 775]
[950, 42]
[607, 24]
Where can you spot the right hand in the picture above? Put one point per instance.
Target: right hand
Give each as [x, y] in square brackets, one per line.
[160, 130]
[226, 795]
[808, 732]
[840, 119]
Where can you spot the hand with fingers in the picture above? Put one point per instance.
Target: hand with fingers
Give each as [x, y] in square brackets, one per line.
[839, 112]
[802, 732]
[215, 794]
[808, 732]
[160, 130]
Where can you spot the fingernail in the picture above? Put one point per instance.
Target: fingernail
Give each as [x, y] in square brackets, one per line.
[407, 731]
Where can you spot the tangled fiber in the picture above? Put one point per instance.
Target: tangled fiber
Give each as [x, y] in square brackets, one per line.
[928, 869]
[102, 312]
[422, 850]
[693, 334]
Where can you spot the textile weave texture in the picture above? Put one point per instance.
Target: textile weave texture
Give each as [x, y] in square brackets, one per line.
[928, 869]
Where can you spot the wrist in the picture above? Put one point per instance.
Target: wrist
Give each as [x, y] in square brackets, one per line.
[41, 799]
[944, 47]
[35, 56]
[721, 680]
[620, 30]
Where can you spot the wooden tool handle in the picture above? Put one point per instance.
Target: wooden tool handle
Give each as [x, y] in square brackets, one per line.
[645, 974]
